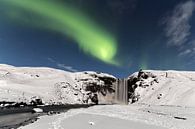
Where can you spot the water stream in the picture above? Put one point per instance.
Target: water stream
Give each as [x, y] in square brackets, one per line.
[121, 91]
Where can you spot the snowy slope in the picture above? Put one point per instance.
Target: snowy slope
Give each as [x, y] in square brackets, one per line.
[52, 86]
[170, 88]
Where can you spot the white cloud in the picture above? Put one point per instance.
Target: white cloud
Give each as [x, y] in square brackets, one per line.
[63, 66]
[188, 50]
[178, 25]
[185, 52]
[69, 68]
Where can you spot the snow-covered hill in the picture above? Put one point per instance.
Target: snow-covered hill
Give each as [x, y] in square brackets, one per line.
[52, 86]
[164, 87]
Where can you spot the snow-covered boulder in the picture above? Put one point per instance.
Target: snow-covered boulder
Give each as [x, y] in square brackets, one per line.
[37, 110]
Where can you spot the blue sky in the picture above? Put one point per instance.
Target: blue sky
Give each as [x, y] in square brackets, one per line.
[150, 34]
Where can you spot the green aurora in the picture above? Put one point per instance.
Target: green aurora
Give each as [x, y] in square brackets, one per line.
[90, 37]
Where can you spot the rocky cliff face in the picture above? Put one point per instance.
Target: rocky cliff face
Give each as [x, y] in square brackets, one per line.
[94, 85]
[138, 82]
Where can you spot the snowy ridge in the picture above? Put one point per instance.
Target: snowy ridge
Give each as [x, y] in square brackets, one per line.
[170, 88]
[52, 86]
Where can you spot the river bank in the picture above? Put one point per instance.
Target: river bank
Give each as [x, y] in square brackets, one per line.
[20, 116]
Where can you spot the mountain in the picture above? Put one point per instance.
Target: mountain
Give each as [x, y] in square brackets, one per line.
[163, 88]
[50, 86]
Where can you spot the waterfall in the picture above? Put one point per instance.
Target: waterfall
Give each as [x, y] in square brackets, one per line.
[121, 91]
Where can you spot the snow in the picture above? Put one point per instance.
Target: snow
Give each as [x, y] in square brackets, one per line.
[120, 117]
[52, 86]
[164, 99]
[173, 88]
[37, 110]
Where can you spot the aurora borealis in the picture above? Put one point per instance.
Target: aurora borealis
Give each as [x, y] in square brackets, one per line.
[90, 37]
[113, 36]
